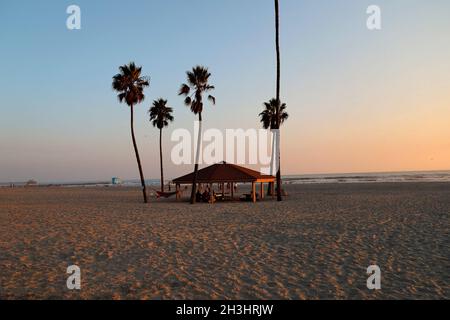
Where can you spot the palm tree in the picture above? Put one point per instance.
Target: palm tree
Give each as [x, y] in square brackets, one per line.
[130, 85]
[278, 119]
[269, 121]
[160, 116]
[197, 85]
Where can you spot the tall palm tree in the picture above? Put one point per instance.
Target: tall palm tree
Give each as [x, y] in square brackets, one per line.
[268, 119]
[160, 116]
[130, 85]
[197, 85]
[278, 119]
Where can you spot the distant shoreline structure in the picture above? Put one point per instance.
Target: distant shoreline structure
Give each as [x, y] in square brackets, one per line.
[393, 177]
[378, 177]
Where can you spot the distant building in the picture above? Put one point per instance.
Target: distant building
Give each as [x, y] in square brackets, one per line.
[31, 183]
[116, 181]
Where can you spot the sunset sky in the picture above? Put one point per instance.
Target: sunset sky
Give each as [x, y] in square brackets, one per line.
[359, 100]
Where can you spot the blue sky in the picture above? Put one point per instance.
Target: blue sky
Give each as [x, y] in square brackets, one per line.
[61, 120]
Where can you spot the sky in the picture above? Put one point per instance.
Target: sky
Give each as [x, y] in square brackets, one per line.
[358, 100]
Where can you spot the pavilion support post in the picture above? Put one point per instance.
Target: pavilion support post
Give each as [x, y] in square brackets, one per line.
[262, 190]
[253, 191]
[177, 189]
[232, 190]
[269, 189]
[272, 187]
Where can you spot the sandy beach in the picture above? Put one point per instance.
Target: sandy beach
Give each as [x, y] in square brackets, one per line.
[317, 244]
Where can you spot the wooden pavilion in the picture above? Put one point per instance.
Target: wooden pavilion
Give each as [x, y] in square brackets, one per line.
[226, 173]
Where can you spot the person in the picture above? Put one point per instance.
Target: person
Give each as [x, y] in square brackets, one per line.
[198, 196]
[205, 196]
[212, 197]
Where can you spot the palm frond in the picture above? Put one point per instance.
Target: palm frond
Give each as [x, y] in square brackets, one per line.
[130, 84]
[212, 99]
[160, 113]
[268, 117]
[184, 89]
[197, 84]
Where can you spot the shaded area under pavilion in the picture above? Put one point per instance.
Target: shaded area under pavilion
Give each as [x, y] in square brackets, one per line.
[226, 173]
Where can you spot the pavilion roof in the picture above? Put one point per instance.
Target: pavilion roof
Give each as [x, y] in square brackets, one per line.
[225, 172]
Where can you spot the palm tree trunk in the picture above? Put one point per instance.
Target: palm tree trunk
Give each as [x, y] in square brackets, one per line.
[161, 160]
[197, 159]
[277, 40]
[141, 174]
[272, 160]
[278, 149]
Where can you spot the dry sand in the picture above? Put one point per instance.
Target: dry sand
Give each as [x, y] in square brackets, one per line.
[317, 244]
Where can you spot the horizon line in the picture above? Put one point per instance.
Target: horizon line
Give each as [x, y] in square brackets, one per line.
[106, 180]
